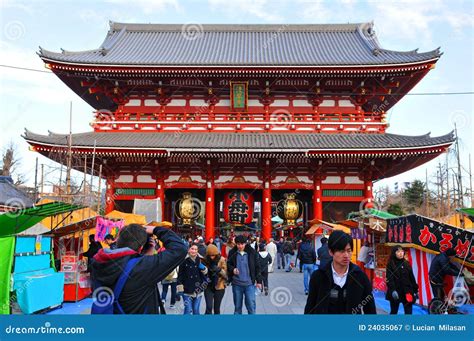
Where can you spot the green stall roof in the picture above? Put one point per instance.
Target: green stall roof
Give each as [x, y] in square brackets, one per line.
[17, 221]
[373, 213]
[469, 212]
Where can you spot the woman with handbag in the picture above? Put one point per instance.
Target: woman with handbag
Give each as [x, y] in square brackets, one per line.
[401, 283]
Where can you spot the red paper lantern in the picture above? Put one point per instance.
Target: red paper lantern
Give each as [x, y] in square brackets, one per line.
[238, 207]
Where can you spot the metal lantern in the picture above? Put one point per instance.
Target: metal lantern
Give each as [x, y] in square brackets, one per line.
[187, 209]
[289, 209]
[238, 207]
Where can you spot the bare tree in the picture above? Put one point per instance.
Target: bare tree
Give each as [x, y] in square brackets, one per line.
[11, 163]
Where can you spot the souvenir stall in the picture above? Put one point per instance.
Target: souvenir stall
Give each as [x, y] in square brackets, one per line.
[27, 263]
[368, 228]
[320, 228]
[425, 238]
[72, 242]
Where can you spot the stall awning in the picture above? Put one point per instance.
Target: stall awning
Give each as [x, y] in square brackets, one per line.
[82, 225]
[317, 223]
[17, 221]
[469, 212]
[129, 218]
[371, 212]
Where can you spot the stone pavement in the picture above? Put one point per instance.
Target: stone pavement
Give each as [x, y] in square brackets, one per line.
[286, 296]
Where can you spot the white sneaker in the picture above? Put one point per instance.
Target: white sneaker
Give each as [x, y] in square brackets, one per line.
[171, 306]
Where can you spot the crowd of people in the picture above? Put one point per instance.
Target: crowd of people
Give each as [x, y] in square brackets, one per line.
[141, 257]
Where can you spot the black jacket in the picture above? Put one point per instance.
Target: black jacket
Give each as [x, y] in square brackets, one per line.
[440, 267]
[254, 266]
[263, 263]
[202, 249]
[358, 296]
[94, 247]
[324, 257]
[306, 254]
[400, 278]
[288, 248]
[193, 279]
[140, 294]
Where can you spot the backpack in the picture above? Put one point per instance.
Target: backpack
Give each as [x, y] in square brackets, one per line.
[107, 305]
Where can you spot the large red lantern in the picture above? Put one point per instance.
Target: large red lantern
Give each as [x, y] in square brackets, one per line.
[238, 207]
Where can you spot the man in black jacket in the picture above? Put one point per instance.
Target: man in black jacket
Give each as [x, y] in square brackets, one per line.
[140, 294]
[94, 247]
[323, 254]
[342, 287]
[243, 271]
[441, 266]
[307, 257]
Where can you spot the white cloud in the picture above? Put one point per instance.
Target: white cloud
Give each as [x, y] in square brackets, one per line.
[317, 11]
[260, 9]
[147, 6]
[416, 20]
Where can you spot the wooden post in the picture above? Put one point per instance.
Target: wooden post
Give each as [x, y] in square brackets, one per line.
[210, 214]
[266, 204]
[317, 197]
[160, 193]
[109, 194]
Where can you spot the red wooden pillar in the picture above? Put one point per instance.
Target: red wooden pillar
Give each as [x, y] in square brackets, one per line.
[160, 194]
[109, 194]
[266, 206]
[317, 198]
[210, 214]
[369, 199]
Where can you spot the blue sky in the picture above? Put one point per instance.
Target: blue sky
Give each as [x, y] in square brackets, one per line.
[40, 101]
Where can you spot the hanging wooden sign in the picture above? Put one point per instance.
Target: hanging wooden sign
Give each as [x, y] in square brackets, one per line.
[238, 96]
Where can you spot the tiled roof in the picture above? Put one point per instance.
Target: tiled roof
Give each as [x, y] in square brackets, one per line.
[10, 195]
[240, 45]
[241, 141]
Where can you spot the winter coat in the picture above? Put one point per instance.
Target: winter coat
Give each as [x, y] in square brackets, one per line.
[400, 278]
[306, 254]
[358, 294]
[202, 249]
[440, 267]
[140, 294]
[264, 259]
[191, 277]
[217, 272]
[288, 248]
[254, 266]
[324, 256]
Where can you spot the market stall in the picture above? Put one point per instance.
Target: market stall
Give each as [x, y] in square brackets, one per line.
[27, 262]
[425, 238]
[368, 228]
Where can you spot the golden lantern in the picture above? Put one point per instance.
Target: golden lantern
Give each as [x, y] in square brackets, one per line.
[289, 209]
[187, 209]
